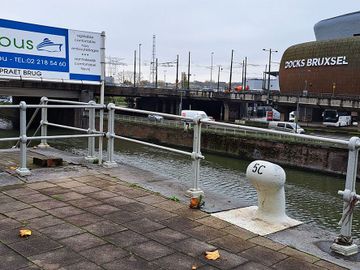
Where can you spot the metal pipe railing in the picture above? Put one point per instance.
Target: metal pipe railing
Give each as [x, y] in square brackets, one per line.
[349, 193]
[65, 136]
[167, 115]
[67, 101]
[65, 127]
[9, 139]
[110, 136]
[91, 140]
[43, 143]
[155, 146]
[23, 170]
[69, 106]
[269, 131]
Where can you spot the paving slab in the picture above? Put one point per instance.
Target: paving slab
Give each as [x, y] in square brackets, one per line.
[85, 217]
[104, 254]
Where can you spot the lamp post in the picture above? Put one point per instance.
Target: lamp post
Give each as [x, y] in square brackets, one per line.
[268, 83]
[211, 68]
[139, 82]
[218, 82]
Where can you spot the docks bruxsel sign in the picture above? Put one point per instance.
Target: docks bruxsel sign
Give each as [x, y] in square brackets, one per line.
[48, 53]
[317, 62]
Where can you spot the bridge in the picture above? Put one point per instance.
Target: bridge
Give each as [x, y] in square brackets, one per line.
[221, 105]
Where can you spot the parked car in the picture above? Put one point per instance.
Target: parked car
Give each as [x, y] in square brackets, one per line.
[286, 126]
[5, 99]
[154, 117]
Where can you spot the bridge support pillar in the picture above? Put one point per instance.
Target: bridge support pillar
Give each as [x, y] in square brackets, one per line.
[226, 112]
[172, 106]
[79, 121]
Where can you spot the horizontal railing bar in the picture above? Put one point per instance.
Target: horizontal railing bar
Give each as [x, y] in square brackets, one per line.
[154, 145]
[66, 127]
[269, 131]
[67, 101]
[65, 136]
[87, 106]
[167, 115]
[9, 106]
[9, 139]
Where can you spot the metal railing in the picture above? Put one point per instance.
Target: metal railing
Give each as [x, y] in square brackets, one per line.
[350, 197]
[91, 133]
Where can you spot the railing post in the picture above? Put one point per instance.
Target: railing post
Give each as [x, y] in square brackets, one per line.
[43, 144]
[23, 170]
[343, 244]
[91, 140]
[195, 191]
[110, 163]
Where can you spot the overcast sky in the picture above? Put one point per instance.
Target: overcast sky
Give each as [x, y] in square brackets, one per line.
[199, 26]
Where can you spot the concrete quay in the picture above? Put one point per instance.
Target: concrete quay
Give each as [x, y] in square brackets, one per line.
[83, 216]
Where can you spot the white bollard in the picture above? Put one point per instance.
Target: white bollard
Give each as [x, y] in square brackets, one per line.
[269, 216]
[268, 180]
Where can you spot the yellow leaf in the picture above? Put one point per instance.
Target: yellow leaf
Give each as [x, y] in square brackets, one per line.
[25, 232]
[193, 267]
[212, 255]
[12, 168]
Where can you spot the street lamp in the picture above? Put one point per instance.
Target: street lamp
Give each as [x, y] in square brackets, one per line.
[268, 83]
[211, 68]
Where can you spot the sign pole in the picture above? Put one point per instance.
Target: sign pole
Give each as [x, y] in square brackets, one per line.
[102, 94]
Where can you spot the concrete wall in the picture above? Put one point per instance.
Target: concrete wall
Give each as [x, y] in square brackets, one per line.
[323, 159]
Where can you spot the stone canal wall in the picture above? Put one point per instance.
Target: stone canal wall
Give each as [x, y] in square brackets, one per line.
[317, 158]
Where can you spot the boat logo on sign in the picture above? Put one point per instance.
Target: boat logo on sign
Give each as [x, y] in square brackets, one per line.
[49, 46]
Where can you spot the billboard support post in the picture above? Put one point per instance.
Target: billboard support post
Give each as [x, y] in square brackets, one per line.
[102, 94]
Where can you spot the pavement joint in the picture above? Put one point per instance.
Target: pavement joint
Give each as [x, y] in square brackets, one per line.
[96, 221]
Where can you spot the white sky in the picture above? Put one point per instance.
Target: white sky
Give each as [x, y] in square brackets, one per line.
[199, 26]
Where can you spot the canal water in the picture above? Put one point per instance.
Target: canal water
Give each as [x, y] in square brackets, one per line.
[311, 197]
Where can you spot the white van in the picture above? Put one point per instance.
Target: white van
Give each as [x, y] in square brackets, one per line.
[292, 116]
[286, 126]
[193, 114]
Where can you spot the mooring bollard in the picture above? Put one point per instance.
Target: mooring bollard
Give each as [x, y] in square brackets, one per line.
[343, 244]
[269, 181]
[23, 170]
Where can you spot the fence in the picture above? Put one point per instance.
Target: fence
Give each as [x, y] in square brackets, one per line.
[349, 194]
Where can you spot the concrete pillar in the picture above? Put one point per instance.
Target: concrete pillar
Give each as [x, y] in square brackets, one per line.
[177, 107]
[172, 107]
[79, 121]
[163, 107]
[226, 111]
[243, 110]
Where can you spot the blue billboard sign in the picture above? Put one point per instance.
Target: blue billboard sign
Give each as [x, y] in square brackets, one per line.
[33, 51]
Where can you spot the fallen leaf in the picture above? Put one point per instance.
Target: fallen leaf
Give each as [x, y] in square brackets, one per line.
[212, 255]
[193, 267]
[25, 232]
[12, 168]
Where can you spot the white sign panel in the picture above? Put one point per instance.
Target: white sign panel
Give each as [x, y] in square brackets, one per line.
[42, 52]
